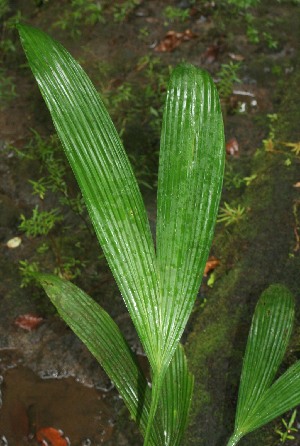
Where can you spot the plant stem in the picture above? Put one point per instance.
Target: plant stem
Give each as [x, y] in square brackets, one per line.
[156, 387]
[234, 439]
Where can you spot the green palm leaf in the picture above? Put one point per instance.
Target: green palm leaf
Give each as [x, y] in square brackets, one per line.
[258, 401]
[189, 188]
[103, 338]
[158, 292]
[282, 396]
[105, 177]
[105, 341]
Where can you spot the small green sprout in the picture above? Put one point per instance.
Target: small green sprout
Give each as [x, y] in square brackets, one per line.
[227, 77]
[286, 434]
[231, 215]
[295, 147]
[40, 223]
[172, 13]
[149, 276]
[27, 271]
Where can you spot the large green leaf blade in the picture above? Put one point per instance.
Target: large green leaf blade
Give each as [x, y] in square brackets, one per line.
[267, 342]
[105, 177]
[189, 187]
[103, 338]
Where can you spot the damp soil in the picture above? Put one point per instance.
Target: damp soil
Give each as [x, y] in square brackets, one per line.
[48, 378]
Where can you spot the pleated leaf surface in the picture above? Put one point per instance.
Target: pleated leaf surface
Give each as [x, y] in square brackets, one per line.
[176, 399]
[282, 396]
[104, 340]
[105, 177]
[189, 188]
[158, 292]
[267, 342]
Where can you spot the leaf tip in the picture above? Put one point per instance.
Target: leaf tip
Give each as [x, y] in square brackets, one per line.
[275, 292]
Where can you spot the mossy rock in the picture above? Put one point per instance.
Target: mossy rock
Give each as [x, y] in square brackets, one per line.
[255, 253]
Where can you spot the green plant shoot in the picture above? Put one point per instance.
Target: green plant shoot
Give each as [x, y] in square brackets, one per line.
[261, 399]
[286, 434]
[159, 286]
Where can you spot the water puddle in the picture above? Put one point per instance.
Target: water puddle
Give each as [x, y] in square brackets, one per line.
[31, 404]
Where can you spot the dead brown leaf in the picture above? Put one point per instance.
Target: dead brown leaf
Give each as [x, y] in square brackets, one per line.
[51, 436]
[28, 321]
[152, 20]
[173, 39]
[211, 264]
[211, 53]
[232, 147]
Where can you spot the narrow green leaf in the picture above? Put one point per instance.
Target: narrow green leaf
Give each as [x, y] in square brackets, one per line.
[105, 177]
[189, 187]
[267, 342]
[104, 340]
[282, 396]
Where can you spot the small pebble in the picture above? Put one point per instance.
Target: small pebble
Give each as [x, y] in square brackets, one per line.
[14, 242]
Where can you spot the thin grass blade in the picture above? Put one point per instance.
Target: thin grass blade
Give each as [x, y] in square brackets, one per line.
[105, 177]
[189, 187]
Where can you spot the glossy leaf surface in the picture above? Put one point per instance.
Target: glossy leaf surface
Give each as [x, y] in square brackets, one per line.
[259, 401]
[103, 338]
[189, 189]
[159, 292]
[105, 177]
[282, 396]
[190, 179]
[176, 399]
[105, 341]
